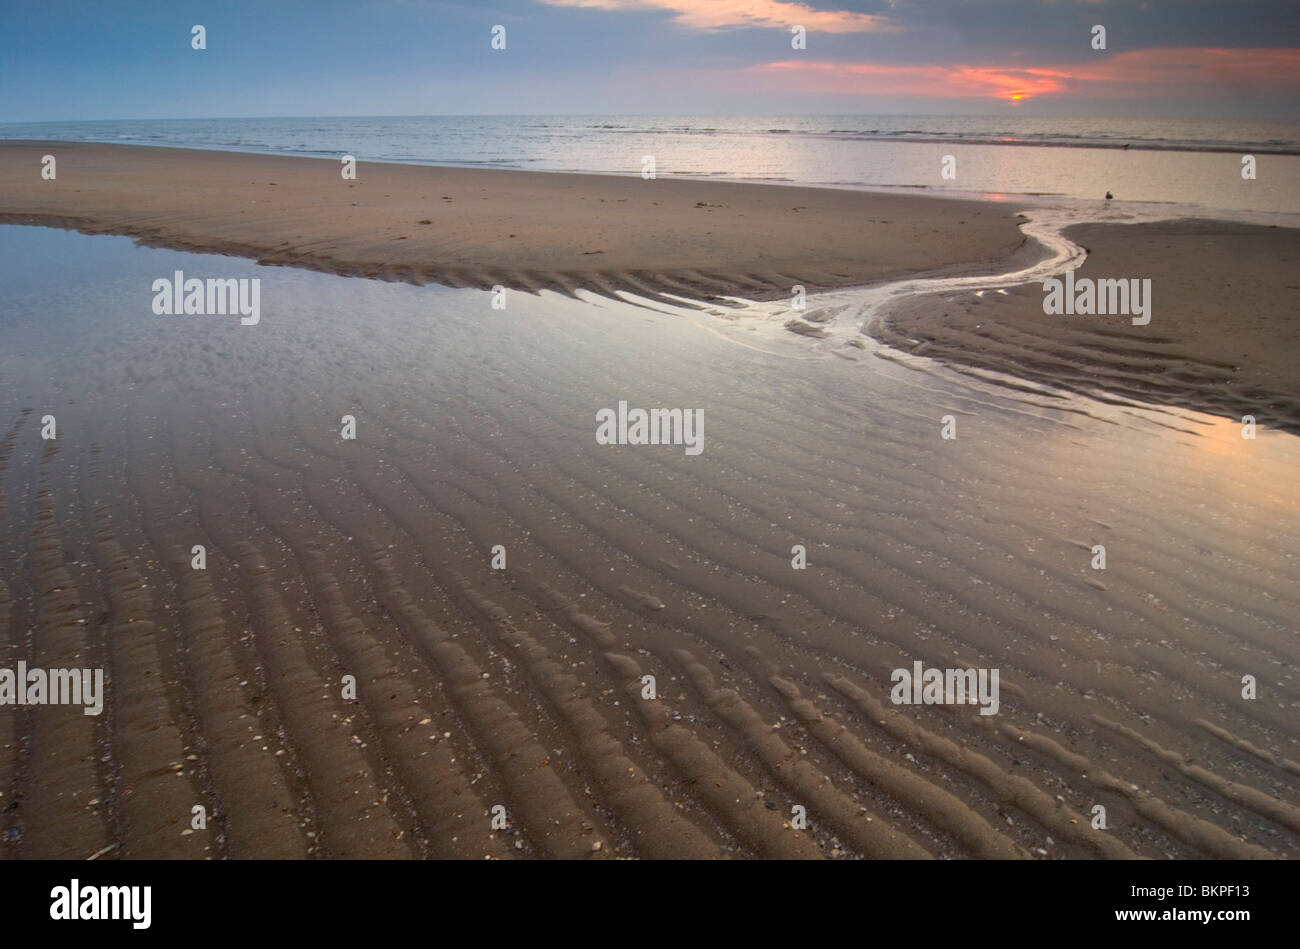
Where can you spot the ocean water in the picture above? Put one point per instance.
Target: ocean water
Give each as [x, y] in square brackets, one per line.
[1193, 163]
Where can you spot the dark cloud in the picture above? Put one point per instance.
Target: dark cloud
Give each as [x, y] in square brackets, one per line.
[1059, 30]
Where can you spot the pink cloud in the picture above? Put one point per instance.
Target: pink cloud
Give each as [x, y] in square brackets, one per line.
[1185, 71]
[720, 14]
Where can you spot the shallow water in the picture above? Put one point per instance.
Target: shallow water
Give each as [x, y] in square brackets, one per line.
[476, 428]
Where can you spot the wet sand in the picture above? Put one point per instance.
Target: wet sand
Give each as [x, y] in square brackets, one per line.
[523, 687]
[473, 227]
[1223, 337]
[1222, 340]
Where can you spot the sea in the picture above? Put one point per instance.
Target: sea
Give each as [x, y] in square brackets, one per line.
[1196, 166]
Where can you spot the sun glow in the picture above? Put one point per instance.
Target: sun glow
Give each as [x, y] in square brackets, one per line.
[1178, 71]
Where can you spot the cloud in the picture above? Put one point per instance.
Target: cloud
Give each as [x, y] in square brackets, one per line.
[723, 14]
[1178, 72]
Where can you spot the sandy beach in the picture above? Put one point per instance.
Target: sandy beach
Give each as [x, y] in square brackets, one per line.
[1222, 343]
[475, 227]
[1227, 293]
[689, 433]
[523, 687]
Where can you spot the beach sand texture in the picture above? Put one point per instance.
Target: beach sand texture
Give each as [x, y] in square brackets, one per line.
[477, 227]
[1223, 337]
[1222, 341]
[525, 687]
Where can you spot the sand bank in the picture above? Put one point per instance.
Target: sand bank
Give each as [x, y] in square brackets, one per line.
[482, 227]
[1223, 336]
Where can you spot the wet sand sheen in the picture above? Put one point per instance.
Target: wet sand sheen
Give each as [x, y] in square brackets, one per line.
[523, 687]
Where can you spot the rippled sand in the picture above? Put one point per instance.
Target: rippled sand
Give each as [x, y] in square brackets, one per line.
[1222, 338]
[523, 687]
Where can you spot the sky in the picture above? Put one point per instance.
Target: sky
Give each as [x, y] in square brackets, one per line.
[134, 58]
